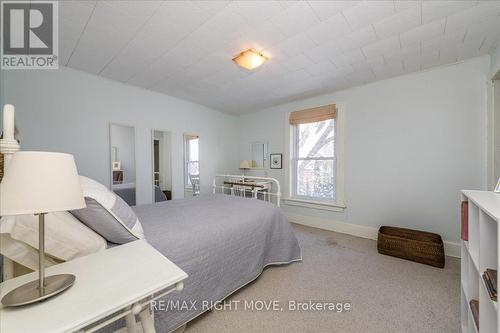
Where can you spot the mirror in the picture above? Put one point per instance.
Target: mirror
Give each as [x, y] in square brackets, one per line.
[122, 158]
[191, 165]
[162, 165]
[258, 155]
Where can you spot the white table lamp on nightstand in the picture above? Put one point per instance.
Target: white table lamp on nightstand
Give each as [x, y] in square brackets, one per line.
[245, 165]
[39, 183]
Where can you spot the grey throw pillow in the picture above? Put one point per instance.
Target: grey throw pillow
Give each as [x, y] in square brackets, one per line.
[107, 214]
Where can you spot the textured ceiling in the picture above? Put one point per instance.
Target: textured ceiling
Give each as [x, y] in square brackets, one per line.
[184, 48]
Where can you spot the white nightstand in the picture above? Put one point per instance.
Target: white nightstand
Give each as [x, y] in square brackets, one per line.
[120, 281]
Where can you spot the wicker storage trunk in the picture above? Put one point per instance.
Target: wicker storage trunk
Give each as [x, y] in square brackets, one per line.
[420, 246]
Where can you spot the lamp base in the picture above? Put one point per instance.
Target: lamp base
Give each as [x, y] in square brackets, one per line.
[30, 292]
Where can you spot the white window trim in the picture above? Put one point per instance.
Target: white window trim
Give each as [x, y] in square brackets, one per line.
[339, 203]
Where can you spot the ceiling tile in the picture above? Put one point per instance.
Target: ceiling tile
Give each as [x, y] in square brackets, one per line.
[423, 32]
[297, 44]
[483, 29]
[490, 43]
[333, 28]
[357, 39]
[368, 12]
[225, 76]
[407, 51]
[256, 12]
[107, 21]
[300, 61]
[295, 19]
[86, 58]
[183, 13]
[450, 38]
[483, 11]
[380, 47]
[209, 7]
[76, 13]
[68, 36]
[348, 58]
[326, 9]
[323, 52]
[140, 10]
[321, 68]
[342, 71]
[433, 10]
[400, 5]
[390, 70]
[121, 68]
[398, 23]
[264, 36]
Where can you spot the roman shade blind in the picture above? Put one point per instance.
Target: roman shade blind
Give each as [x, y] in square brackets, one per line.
[313, 115]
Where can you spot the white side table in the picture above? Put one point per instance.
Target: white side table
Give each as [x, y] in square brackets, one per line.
[121, 281]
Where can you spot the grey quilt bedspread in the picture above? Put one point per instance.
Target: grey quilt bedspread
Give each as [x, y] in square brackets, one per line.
[221, 242]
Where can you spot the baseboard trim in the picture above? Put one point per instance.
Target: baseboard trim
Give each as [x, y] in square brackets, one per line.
[451, 249]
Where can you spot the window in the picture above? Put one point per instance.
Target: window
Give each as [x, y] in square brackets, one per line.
[314, 160]
[192, 163]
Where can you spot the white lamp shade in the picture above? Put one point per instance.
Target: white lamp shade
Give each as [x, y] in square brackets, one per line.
[245, 164]
[40, 182]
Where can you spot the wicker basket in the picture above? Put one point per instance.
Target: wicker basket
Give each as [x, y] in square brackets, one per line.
[420, 246]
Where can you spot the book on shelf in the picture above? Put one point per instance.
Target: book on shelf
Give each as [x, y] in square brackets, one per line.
[490, 281]
[465, 220]
[474, 307]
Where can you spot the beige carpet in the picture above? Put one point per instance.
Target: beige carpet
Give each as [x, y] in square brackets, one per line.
[387, 294]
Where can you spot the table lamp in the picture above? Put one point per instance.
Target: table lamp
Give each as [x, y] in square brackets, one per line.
[39, 183]
[245, 164]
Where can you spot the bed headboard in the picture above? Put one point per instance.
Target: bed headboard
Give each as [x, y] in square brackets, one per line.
[8, 146]
[8, 143]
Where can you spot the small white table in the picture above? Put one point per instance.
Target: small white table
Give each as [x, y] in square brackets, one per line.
[121, 281]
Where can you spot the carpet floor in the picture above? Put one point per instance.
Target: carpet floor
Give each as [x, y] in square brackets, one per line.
[386, 294]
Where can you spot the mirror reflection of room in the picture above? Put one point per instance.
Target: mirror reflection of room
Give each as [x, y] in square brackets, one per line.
[258, 155]
[191, 165]
[162, 166]
[122, 150]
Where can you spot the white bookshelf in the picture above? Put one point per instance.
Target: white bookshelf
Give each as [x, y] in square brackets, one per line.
[481, 251]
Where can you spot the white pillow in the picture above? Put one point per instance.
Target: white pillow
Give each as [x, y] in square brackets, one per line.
[107, 214]
[66, 237]
[22, 253]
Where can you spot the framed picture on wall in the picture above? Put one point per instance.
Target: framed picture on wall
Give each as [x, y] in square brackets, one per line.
[116, 166]
[276, 161]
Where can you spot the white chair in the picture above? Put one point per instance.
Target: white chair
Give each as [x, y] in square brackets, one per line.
[195, 184]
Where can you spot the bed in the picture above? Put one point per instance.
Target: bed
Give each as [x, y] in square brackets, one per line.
[222, 242]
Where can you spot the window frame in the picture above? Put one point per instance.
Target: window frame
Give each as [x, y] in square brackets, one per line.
[291, 198]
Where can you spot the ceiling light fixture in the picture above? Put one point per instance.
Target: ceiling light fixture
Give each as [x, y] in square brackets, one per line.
[250, 59]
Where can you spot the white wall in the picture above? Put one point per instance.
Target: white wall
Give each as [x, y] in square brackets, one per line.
[69, 111]
[411, 143]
